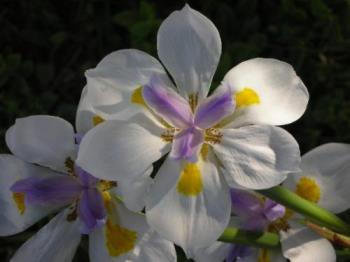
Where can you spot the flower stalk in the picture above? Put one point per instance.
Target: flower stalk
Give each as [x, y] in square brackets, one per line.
[251, 238]
[310, 210]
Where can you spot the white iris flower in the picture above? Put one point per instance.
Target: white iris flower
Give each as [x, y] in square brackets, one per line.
[216, 141]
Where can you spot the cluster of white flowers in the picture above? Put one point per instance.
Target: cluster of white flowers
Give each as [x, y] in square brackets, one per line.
[212, 149]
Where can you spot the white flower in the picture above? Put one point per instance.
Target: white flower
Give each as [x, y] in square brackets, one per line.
[216, 141]
[325, 177]
[41, 178]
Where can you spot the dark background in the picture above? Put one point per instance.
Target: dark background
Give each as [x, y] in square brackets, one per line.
[45, 47]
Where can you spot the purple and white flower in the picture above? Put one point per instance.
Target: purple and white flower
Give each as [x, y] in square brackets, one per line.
[42, 178]
[213, 142]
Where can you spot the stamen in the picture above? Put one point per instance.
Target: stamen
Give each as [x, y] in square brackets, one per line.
[69, 163]
[212, 136]
[168, 135]
[193, 101]
[204, 151]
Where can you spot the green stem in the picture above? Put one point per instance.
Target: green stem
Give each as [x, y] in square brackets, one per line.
[310, 210]
[251, 238]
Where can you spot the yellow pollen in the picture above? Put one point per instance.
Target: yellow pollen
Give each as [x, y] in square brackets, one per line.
[137, 98]
[264, 255]
[246, 97]
[308, 189]
[96, 120]
[119, 240]
[190, 183]
[19, 200]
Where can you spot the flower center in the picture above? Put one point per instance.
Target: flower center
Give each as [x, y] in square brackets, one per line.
[308, 189]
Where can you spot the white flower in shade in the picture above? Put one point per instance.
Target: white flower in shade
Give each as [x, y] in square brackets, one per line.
[213, 141]
[252, 212]
[41, 178]
[325, 177]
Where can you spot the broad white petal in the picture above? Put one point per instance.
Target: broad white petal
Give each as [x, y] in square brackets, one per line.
[116, 150]
[147, 247]
[301, 244]
[329, 166]
[280, 97]
[111, 85]
[56, 242]
[11, 219]
[42, 139]
[189, 46]
[133, 191]
[257, 157]
[183, 203]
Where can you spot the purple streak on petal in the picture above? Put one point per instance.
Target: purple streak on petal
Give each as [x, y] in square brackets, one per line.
[238, 252]
[244, 203]
[78, 137]
[167, 103]
[91, 210]
[273, 210]
[55, 190]
[214, 108]
[187, 144]
[85, 178]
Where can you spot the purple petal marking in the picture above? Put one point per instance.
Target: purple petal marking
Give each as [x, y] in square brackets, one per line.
[244, 203]
[57, 190]
[187, 144]
[273, 210]
[255, 223]
[238, 252]
[214, 108]
[91, 210]
[167, 103]
[86, 179]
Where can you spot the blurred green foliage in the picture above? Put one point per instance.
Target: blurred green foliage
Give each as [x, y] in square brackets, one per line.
[45, 47]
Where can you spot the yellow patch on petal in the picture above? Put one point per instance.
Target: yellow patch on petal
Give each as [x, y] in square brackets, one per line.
[204, 151]
[190, 183]
[137, 98]
[246, 97]
[308, 189]
[119, 240]
[96, 120]
[19, 200]
[264, 255]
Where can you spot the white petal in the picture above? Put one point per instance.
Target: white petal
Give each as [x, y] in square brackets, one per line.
[116, 150]
[301, 244]
[215, 252]
[55, 242]
[111, 84]
[181, 218]
[189, 46]
[282, 95]
[44, 140]
[149, 247]
[257, 157]
[133, 191]
[11, 220]
[329, 166]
